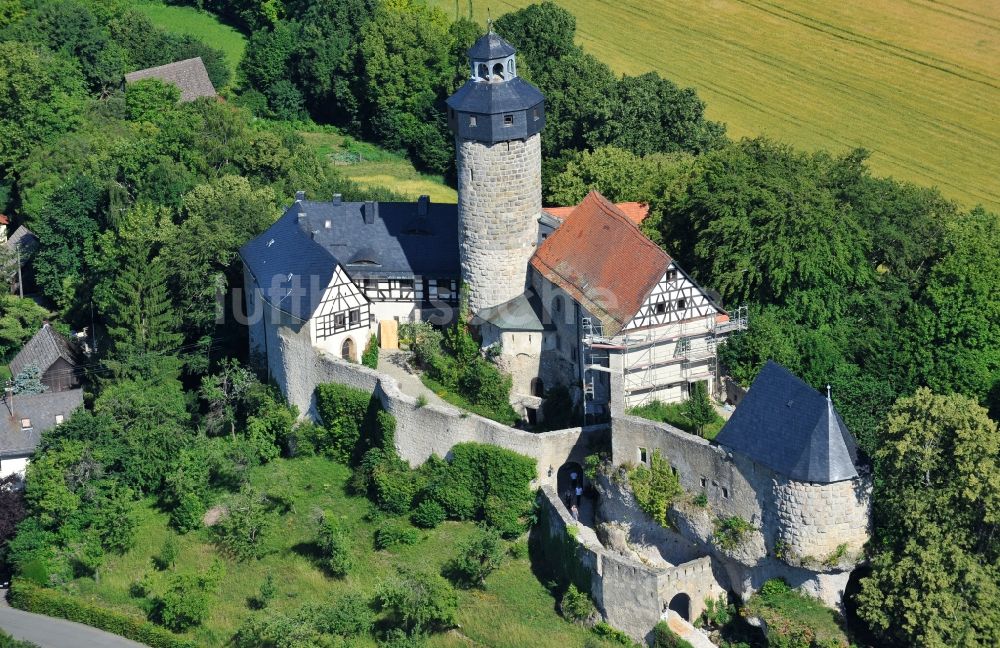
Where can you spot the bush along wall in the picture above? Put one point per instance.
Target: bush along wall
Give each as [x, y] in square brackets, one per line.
[32, 598]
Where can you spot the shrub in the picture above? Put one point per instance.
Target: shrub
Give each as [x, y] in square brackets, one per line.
[664, 637]
[344, 411]
[418, 602]
[576, 606]
[498, 481]
[655, 487]
[370, 357]
[794, 620]
[602, 629]
[167, 557]
[331, 539]
[717, 614]
[390, 535]
[394, 489]
[730, 532]
[519, 550]
[477, 558]
[350, 616]
[240, 533]
[428, 514]
[701, 500]
[267, 592]
[183, 604]
[27, 596]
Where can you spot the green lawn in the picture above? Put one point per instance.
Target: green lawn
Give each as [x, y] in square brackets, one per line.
[674, 415]
[200, 24]
[463, 403]
[515, 610]
[915, 82]
[377, 168]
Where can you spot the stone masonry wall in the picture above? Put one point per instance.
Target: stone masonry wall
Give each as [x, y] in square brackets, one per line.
[630, 595]
[499, 199]
[798, 527]
[420, 430]
[816, 519]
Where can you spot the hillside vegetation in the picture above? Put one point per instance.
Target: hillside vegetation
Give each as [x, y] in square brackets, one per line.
[188, 21]
[513, 610]
[910, 81]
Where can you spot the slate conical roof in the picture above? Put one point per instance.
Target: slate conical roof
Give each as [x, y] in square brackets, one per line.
[489, 47]
[786, 425]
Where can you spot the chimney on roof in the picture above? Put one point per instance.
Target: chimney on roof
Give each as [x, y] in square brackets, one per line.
[300, 196]
[370, 212]
[423, 206]
[337, 199]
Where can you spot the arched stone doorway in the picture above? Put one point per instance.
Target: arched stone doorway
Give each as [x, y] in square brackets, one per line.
[348, 351]
[565, 482]
[681, 604]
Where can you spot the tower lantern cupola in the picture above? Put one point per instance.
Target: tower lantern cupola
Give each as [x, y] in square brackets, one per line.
[495, 105]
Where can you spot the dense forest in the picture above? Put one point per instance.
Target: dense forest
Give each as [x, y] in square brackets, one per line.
[884, 290]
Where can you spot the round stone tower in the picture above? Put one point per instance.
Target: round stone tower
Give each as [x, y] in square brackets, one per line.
[497, 118]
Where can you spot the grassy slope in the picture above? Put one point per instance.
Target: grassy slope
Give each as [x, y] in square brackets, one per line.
[916, 82]
[674, 415]
[200, 24]
[515, 610]
[380, 168]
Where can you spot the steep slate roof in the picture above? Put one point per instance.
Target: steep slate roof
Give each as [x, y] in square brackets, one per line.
[24, 238]
[603, 261]
[294, 260]
[636, 211]
[42, 350]
[189, 75]
[786, 425]
[490, 46]
[522, 313]
[488, 98]
[41, 410]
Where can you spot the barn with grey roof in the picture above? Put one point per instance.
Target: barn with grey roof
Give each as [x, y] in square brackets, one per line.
[189, 75]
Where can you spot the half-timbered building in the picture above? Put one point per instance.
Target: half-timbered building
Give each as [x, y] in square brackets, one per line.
[343, 267]
[641, 328]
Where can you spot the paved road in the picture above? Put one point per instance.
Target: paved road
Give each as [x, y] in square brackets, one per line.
[48, 632]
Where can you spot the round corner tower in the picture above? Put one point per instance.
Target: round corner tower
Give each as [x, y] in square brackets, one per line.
[497, 118]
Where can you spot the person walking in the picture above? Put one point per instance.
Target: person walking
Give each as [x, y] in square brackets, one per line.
[576, 513]
[579, 494]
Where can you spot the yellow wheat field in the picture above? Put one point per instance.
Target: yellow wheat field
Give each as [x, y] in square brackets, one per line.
[914, 81]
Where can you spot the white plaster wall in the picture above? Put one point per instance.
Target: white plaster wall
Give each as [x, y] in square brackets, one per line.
[13, 466]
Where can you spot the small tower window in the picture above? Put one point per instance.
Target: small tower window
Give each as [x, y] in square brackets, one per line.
[508, 120]
[483, 71]
[510, 67]
[472, 121]
[534, 113]
[498, 71]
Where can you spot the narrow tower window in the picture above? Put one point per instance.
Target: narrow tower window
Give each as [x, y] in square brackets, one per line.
[508, 120]
[483, 71]
[472, 121]
[498, 71]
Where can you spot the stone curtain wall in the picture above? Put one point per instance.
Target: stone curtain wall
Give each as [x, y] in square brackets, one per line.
[630, 595]
[420, 431]
[499, 199]
[798, 527]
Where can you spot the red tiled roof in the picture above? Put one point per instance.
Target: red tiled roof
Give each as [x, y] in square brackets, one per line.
[636, 211]
[603, 261]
